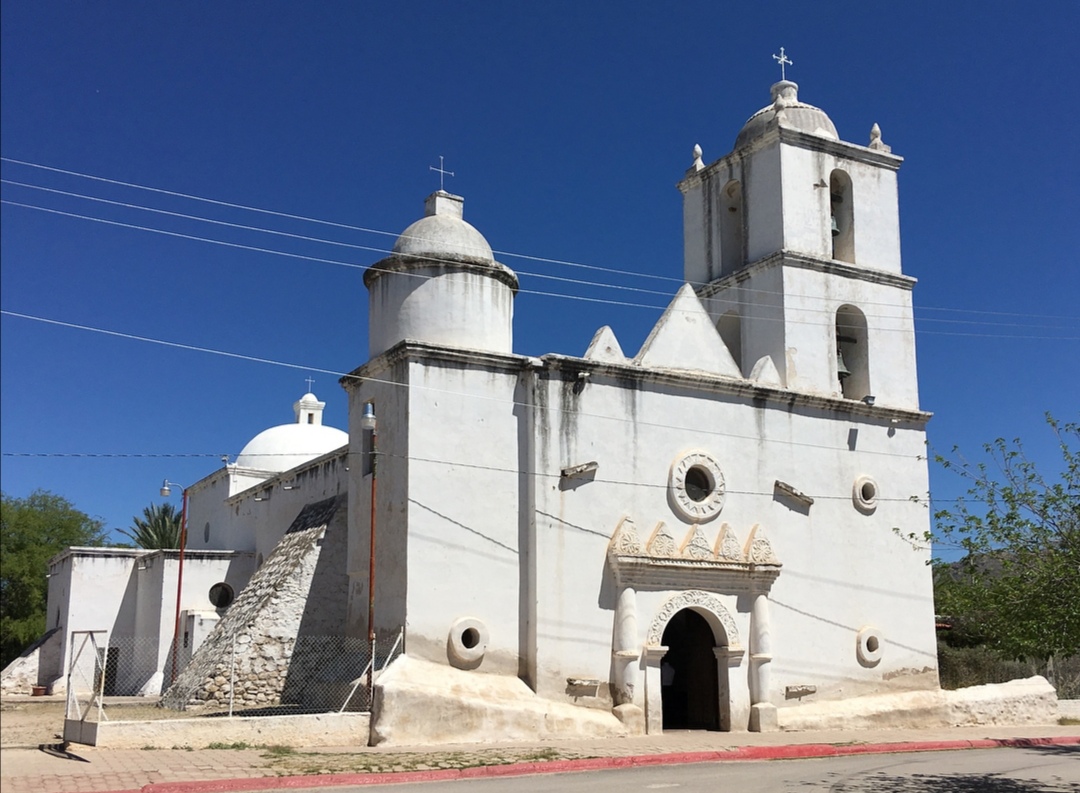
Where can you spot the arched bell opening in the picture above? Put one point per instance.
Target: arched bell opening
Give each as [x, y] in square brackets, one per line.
[852, 353]
[732, 225]
[842, 217]
[694, 693]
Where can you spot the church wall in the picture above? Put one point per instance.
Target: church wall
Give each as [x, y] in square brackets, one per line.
[806, 201]
[763, 202]
[91, 585]
[877, 215]
[267, 510]
[833, 581]
[806, 207]
[212, 522]
[384, 384]
[811, 301]
[463, 504]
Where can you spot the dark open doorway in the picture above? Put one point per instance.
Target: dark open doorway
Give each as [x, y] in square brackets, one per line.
[690, 690]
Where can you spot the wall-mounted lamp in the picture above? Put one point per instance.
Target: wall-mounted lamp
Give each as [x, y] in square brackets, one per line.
[869, 400]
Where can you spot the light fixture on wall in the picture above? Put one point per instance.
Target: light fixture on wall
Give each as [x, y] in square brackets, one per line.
[869, 400]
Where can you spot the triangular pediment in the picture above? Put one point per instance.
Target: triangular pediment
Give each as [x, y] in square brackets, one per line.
[764, 372]
[685, 338]
[605, 347]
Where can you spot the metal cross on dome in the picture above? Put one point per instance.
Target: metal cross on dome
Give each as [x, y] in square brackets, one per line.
[783, 60]
[309, 381]
[441, 171]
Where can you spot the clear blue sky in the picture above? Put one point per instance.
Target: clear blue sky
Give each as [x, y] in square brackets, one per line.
[567, 125]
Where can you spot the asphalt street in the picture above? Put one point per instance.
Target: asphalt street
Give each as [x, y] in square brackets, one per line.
[1050, 769]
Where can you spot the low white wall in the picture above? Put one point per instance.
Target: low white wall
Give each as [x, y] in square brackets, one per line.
[1028, 701]
[317, 729]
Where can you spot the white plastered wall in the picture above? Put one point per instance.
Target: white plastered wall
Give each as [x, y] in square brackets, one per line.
[834, 581]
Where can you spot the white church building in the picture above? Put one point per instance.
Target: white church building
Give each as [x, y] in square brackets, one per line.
[703, 534]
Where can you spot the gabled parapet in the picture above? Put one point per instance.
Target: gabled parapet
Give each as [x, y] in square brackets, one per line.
[605, 348]
[685, 338]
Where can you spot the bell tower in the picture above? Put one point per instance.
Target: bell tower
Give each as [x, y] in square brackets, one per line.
[792, 242]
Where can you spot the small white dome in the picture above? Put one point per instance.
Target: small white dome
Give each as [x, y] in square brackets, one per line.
[797, 115]
[443, 233]
[288, 445]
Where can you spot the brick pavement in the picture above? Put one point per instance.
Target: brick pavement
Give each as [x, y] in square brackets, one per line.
[96, 770]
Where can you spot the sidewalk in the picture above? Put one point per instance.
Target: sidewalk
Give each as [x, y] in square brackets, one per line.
[191, 771]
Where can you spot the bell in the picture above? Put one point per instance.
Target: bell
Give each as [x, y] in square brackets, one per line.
[835, 228]
[842, 372]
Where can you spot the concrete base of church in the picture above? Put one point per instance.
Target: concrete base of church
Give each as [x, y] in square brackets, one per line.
[420, 702]
[317, 729]
[763, 718]
[1029, 701]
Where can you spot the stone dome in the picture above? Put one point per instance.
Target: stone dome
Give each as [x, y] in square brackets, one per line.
[443, 234]
[288, 445]
[796, 115]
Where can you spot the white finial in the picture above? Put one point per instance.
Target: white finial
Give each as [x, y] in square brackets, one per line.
[875, 140]
[309, 381]
[783, 60]
[698, 164]
[442, 172]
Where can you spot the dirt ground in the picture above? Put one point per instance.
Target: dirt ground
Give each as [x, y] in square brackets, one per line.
[34, 721]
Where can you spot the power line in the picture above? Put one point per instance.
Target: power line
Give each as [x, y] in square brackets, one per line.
[540, 293]
[437, 461]
[699, 430]
[393, 234]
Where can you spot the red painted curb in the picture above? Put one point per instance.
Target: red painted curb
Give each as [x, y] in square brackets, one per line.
[742, 753]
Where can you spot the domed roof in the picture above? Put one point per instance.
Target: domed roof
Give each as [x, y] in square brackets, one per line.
[442, 233]
[288, 445]
[796, 115]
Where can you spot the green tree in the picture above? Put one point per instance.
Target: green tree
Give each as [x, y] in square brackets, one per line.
[159, 527]
[1017, 587]
[33, 530]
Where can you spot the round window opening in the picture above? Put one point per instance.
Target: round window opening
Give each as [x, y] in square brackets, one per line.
[696, 487]
[872, 643]
[865, 494]
[221, 595]
[699, 485]
[470, 637]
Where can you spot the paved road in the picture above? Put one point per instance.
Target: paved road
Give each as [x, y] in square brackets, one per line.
[1042, 770]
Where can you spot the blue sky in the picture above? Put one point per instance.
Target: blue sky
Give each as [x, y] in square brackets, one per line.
[566, 124]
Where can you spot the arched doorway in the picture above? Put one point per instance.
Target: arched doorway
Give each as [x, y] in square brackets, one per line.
[690, 689]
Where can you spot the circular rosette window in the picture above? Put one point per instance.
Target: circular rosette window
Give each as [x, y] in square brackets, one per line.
[696, 487]
[467, 643]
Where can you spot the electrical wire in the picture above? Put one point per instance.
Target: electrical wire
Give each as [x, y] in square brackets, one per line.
[698, 430]
[540, 293]
[393, 234]
[451, 464]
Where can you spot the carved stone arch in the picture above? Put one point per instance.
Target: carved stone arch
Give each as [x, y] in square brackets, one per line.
[705, 604]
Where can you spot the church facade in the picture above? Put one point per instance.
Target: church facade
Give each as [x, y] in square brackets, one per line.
[704, 534]
[701, 535]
